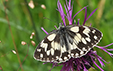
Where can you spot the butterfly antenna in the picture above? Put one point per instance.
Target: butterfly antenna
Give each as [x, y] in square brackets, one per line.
[50, 20]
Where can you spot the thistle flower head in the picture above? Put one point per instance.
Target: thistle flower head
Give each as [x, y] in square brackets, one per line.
[85, 62]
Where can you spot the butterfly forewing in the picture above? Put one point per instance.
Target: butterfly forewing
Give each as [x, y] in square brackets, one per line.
[49, 48]
[66, 42]
[84, 39]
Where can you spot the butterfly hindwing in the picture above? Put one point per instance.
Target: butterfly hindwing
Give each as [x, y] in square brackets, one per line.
[66, 42]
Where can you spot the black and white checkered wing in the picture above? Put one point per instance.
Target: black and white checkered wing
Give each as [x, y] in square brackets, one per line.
[49, 48]
[83, 39]
[66, 42]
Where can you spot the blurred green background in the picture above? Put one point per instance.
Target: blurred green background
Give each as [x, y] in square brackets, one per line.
[24, 20]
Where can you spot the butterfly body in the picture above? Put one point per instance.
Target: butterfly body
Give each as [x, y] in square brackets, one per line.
[72, 41]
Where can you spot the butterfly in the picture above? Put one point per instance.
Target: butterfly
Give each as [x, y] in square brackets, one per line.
[72, 41]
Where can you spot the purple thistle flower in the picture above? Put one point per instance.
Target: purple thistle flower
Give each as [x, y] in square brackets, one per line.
[85, 62]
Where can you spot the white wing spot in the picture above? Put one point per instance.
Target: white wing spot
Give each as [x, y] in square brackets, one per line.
[38, 50]
[57, 57]
[84, 49]
[69, 56]
[86, 31]
[52, 51]
[72, 54]
[75, 29]
[65, 58]
[77, 40]
[57, 46]
[81, 52]
[52, 44]
[88, 39]
[79, 36]
[51, 37]
[41, 55]
[43, 45]
[75, 46]
[76, 54]
[84, 41]
[93, 31]
[48, 52]
[60, 59]
[71, 46]
[63, 49]
[95, 37]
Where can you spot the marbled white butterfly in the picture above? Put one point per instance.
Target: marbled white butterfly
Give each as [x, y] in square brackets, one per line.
[67, 41]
